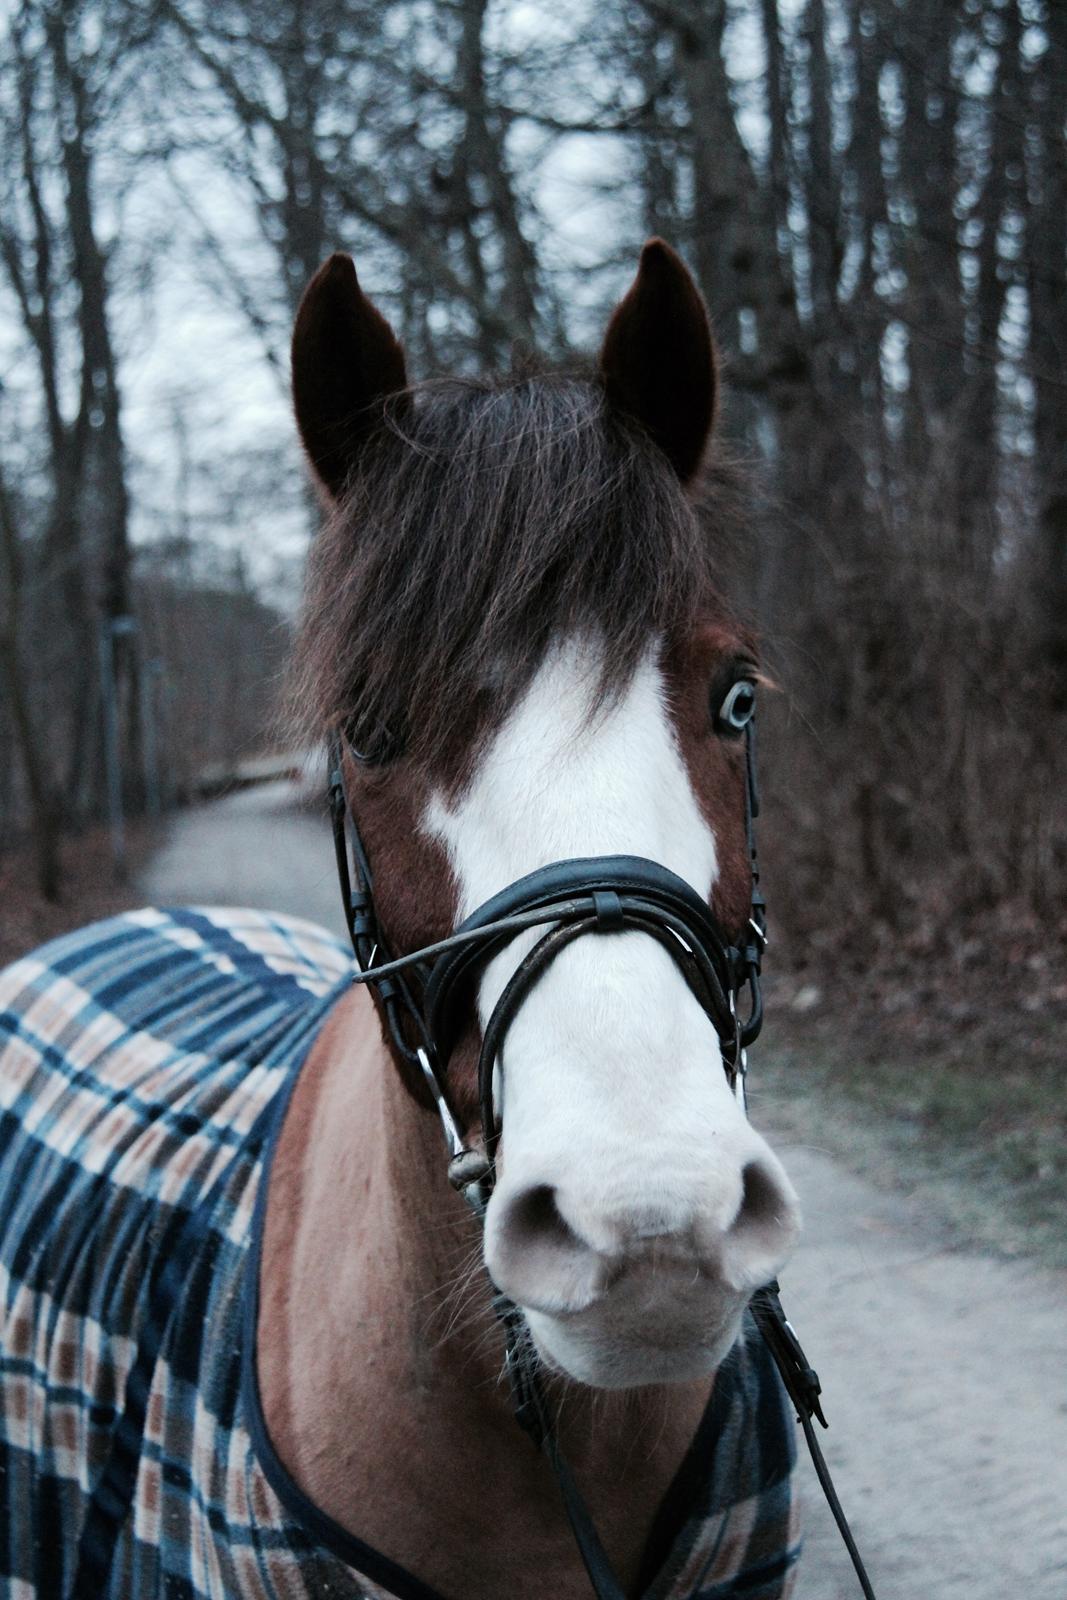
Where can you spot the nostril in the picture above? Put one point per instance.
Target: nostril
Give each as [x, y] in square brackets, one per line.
[760, 1202]
[535, 1216]
[765, 1225]
[536, 1257]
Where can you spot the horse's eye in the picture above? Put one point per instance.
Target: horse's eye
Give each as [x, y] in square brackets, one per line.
[737, 710]
[374, 748]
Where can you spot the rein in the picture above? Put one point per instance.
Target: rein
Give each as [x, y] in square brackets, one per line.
[424, 995]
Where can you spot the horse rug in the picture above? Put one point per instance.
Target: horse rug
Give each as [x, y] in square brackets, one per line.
[145, 1065]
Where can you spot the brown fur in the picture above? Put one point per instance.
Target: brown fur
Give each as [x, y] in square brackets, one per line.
[415, 900]
[700, 665]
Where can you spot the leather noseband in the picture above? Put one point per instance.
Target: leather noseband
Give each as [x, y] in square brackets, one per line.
[601, 895]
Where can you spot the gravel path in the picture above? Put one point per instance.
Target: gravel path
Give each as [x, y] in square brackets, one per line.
[258, 847]
[944, 1371]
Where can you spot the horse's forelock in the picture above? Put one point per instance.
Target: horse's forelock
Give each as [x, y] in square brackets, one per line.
[487, 520]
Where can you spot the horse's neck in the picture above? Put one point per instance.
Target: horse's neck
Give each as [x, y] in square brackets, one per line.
[380, 1358]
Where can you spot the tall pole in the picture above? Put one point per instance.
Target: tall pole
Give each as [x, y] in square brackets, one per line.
[151, 672]
[112, 765]
[112, 628]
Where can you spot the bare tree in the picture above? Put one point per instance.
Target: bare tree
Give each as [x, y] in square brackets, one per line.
[873, 194]
[29, 735]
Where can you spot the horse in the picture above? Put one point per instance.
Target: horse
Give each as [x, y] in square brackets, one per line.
[252, 1333]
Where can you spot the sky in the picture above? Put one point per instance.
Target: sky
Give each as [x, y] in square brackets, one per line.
[206, 415]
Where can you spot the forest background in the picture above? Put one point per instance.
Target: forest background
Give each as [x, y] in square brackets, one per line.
[873, 197]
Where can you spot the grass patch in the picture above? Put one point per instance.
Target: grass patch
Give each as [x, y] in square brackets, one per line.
[970, 1121]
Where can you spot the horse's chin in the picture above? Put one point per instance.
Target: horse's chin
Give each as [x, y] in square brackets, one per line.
[592, 1349]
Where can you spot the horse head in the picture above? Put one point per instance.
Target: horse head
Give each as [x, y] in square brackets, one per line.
[514, 627]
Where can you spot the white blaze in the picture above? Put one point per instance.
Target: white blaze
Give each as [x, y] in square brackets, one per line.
[613, 1096]
[552, 785]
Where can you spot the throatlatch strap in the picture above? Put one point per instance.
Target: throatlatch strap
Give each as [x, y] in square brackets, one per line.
[531, 1412]
[592, 1552]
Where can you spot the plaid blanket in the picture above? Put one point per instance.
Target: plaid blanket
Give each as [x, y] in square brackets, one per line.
[145, 1064]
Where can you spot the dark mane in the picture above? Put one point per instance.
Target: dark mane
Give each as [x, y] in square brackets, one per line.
[487, 519]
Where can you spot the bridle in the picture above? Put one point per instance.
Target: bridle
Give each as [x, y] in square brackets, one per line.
[425, 998]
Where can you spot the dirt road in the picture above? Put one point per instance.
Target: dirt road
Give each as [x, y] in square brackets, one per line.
[944, 1371]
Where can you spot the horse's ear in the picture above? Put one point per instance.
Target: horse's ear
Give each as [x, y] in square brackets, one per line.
[346, 361]
[658, 360]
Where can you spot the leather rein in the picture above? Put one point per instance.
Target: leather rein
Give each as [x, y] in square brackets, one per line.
[425, 995]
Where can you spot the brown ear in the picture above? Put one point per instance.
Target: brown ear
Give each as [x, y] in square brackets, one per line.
[346, 360]
[658, 360]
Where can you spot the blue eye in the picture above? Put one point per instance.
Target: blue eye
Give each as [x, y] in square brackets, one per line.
[738, 709]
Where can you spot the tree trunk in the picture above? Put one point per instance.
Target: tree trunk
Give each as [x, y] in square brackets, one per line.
[101, 373]
[303, 206]
[1003, 191]
[1048, 343]
[822, 187]
[42, 801]
[482, 162]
